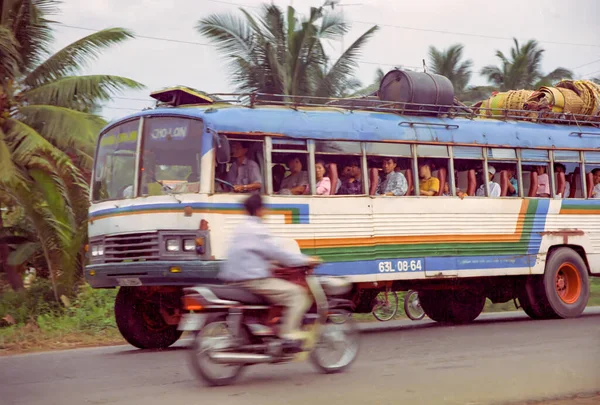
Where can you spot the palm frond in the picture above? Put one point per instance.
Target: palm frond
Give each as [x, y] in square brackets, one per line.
[75, 56]
[559, 74]
[344, 67]
[80, 92]
[32, 30]
[9, 55]
[10, 174]
[63, 127]
[230, 34]
[28, 146]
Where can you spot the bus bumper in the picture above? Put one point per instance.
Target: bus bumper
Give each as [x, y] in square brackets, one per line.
[158, 273]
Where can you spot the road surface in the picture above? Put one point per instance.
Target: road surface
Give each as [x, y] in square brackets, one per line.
[498, 359]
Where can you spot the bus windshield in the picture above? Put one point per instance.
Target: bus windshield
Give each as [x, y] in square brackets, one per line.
[169, 163]
[115, 161]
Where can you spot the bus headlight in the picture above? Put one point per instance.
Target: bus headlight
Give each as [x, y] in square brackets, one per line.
[97, 250]
[173, 245]
[189, 245]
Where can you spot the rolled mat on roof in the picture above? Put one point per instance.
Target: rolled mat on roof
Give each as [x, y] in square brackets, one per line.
[497, 104]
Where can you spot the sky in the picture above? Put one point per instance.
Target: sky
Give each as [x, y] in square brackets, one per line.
[568, 31]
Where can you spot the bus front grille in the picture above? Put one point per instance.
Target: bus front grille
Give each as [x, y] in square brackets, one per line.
[132, 247]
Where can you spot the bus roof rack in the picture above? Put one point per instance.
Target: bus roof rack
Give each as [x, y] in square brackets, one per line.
[371, 102]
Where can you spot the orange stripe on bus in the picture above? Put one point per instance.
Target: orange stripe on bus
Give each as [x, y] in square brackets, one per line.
[421, 239]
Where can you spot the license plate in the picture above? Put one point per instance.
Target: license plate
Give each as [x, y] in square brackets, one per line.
[129, 282]
[192, 322]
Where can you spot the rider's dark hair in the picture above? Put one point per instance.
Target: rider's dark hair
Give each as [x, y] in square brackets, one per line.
[253, 204]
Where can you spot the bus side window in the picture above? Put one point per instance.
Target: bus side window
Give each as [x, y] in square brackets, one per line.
[468, 164]
[537, 175]
[246, 168]
[341, 161]
[567, 174]
[382, 160]
[433, 169]
[592, 176]
[289, 168]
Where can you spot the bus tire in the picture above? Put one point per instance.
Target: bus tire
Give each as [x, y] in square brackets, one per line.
[140, 322]
[566, 285]
[530, 297]
[453, 306]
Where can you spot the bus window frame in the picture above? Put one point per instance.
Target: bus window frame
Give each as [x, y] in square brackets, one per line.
[550, 170]
[514, 160]
[482, 158]
[309, 168]
[582, 173]
[363, 161]
[386, 155]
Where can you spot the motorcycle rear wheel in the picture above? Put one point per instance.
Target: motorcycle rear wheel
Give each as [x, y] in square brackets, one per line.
[333, 335]
[213, 336]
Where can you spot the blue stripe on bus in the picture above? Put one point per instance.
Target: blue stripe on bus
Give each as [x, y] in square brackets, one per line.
[429, 264]
[539, 225]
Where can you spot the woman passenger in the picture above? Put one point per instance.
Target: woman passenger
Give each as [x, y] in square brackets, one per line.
[323, 182]
[543, 189]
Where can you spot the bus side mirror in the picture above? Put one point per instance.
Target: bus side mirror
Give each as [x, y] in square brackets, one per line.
[222, 149]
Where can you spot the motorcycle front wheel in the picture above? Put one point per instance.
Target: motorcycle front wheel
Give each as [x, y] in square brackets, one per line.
[214, 336]
[337, 347]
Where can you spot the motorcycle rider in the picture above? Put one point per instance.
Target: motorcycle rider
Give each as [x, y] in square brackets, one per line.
[249, 261]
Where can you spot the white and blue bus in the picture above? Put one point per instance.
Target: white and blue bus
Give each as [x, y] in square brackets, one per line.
[162, 210]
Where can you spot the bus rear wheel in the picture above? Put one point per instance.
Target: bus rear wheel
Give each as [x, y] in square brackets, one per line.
[562, 291]
[453, 306]
[141, 323]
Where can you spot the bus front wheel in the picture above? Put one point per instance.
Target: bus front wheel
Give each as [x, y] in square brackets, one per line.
[453, 306]
[141, 323]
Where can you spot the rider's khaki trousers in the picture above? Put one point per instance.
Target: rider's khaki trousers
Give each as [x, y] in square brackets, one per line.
[289, 295]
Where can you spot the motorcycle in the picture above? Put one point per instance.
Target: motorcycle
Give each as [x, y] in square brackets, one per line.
[234, 328]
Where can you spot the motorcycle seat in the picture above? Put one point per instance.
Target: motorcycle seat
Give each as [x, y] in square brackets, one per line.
[239, 294]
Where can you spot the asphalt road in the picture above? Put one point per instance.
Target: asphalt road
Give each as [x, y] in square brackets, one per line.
[497, 359]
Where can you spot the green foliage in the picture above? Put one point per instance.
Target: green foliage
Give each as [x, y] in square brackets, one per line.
[27, 305]
[449, 63]
[276, 53]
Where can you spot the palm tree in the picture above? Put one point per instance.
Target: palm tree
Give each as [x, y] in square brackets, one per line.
[448, 63]
[47, 133]
[523, 69]
[276, 53]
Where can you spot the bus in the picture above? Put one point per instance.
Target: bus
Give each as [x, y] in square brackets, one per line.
[513, 217]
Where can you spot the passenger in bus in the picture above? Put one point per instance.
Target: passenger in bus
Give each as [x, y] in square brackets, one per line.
[323, 182]
[428, 185]
[278, 173]
[543, 189]
[559, 168]
[352, 185]
[596, 190]
[513, 184]
[297, 182]
[244, 173]
[393, 183]
[493, 187]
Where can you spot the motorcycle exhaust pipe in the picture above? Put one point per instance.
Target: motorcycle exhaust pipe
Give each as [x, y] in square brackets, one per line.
[240, 358]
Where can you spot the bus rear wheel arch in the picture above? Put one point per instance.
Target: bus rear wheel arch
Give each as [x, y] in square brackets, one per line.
[562, 291]
[140, 321]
